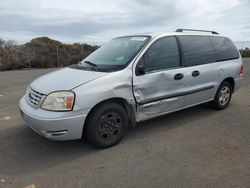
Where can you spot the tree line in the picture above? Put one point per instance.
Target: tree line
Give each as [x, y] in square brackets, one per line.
[41, 52]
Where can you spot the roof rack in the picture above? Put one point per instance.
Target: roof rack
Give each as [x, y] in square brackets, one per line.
[213, 32]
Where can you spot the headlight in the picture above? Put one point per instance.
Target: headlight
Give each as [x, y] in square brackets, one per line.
[59, 101]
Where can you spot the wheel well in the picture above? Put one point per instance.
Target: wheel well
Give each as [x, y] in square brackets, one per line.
[128, 108]
[230, 80]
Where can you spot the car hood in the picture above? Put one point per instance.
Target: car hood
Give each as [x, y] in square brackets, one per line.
[64, 79]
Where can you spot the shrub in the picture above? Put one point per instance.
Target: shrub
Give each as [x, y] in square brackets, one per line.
[41, 52]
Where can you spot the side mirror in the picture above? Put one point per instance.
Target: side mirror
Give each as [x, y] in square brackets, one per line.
[140, 70]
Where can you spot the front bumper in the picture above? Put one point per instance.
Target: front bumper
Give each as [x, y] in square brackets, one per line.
[53, 125]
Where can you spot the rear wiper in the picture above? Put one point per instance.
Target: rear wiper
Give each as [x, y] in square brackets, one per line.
[90, 63]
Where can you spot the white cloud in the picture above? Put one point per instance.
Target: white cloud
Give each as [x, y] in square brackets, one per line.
[98, 20]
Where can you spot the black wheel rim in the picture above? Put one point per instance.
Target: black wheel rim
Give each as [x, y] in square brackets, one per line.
[109, 127]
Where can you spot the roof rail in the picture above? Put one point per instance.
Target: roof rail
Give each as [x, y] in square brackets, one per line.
[213, 32]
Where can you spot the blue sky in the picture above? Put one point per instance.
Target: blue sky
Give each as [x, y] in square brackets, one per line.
[99, 21]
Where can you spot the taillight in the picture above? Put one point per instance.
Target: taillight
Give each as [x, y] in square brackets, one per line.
[241, 71]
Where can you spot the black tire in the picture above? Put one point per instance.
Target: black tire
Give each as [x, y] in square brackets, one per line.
[223, 96]
[106, 125]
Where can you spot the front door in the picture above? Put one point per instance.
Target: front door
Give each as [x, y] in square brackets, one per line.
[159, 83]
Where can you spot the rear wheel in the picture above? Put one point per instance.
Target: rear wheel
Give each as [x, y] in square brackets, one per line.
[106, 125]
[223, 96]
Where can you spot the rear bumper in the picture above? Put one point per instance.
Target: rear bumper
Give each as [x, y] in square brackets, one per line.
[237, 82]
[53, 125]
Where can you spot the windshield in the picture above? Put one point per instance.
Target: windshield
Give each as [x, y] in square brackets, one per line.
[115, 54]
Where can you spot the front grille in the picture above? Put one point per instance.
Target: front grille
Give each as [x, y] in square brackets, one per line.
[34, 97]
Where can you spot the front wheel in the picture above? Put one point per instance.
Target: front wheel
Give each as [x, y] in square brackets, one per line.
[223, 96]
[106, 125]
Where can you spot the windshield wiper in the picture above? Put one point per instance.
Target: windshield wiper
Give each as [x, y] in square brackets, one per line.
[90, 63]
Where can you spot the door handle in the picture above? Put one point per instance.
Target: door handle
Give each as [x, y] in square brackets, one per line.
[195, 73]
[178, 76]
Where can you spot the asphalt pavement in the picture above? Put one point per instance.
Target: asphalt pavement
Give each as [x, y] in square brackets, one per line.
[196, 147]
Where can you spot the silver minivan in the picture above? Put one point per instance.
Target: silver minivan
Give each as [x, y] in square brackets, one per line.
[131, 79]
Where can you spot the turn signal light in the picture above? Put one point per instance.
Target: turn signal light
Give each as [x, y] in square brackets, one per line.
[69, 102]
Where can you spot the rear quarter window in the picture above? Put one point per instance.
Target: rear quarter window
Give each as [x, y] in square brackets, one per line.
[197, 50]
[224, 49]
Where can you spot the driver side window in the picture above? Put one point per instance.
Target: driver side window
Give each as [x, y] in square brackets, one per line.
[163, 54]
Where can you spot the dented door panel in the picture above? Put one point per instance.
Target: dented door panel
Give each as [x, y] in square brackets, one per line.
[155, 93]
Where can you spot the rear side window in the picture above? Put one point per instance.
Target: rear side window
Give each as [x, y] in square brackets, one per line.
[224, 48]
[163, 54]
[197, 50]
